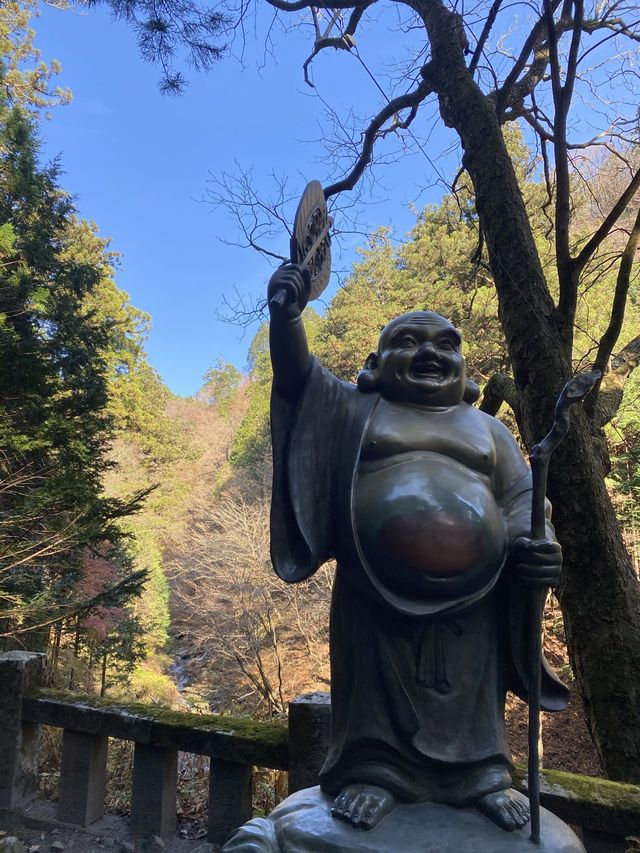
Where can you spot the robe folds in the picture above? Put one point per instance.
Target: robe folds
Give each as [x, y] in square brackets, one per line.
[418, 684]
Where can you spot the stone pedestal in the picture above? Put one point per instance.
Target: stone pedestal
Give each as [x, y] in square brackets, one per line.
[303, 824]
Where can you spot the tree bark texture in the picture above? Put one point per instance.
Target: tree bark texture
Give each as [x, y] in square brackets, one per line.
[600, 599]
[599, 594]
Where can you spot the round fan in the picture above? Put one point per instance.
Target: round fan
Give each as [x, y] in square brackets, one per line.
[311, 241]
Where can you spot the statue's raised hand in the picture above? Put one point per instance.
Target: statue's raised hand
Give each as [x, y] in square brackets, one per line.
[536, 562]
[288, 290]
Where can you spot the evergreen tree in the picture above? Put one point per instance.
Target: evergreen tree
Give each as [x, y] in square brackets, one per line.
[25, 79]
[54, 422]
[221, 385]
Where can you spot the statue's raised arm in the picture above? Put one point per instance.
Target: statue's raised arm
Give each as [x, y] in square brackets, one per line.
[290, 357]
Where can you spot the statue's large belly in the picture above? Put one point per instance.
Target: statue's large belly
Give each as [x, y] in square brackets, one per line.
[427, 525]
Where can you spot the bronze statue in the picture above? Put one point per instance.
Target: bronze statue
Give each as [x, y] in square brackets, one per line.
[424, 501]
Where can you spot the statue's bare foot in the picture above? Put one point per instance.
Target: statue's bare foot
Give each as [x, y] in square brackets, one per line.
[508, 808]
[363, 805]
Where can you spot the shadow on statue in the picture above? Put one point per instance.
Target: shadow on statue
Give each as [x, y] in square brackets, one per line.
[424, 502]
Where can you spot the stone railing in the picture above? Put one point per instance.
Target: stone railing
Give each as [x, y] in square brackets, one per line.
[606, 814]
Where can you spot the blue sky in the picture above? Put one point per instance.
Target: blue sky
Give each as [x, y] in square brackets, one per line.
[139, 162]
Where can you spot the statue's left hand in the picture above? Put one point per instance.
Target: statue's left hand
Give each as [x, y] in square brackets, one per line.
[536, 562]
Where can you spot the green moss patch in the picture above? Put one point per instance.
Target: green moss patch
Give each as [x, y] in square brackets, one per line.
[269, 733]
[615, 795]
[598, 805]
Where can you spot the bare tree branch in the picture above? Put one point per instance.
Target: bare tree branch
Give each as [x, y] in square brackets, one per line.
[513, 91]
[607, 224]
[572, 62]
[409, 101]
[344, 41]
[601, 140]
[533, 41]
[284, 6]
[616, 25]
[563, 207]
[259, 220]
[484, 35]
[608, 340]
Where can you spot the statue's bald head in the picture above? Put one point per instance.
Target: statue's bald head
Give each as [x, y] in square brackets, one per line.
[420, 318]
[419, 359]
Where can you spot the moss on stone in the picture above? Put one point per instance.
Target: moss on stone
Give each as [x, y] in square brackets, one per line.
[272, 732]
[590, 789]
[598, 805]
[615, 795]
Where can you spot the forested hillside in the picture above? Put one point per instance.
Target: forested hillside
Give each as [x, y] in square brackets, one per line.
[99, 462]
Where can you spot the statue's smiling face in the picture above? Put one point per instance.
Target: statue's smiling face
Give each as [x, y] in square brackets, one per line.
[419, 361]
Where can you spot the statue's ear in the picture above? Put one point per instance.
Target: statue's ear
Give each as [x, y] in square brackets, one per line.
[371, 361]
[368, 376]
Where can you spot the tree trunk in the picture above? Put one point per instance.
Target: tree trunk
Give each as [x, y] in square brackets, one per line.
[55, 651]
[600, 594]
[600, 599]
[103, 677]
[76, 652]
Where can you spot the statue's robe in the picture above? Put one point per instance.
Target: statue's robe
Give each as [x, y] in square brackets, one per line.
[418, 685]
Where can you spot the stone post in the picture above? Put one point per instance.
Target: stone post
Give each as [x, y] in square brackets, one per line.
[309, 725]
[153, 796]
[230, 797]
[19, 741]
[83, 777]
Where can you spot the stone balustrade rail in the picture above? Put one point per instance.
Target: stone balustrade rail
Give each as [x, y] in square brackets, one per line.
[606, 814]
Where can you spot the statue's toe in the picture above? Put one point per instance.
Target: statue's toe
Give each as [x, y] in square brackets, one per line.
[378, 811]
[522, 812]
[363, 805]
[508, 818]
[508, 808]
[377, 804]
[341, 805]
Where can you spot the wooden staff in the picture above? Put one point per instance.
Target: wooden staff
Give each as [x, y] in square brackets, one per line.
[574, 391]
